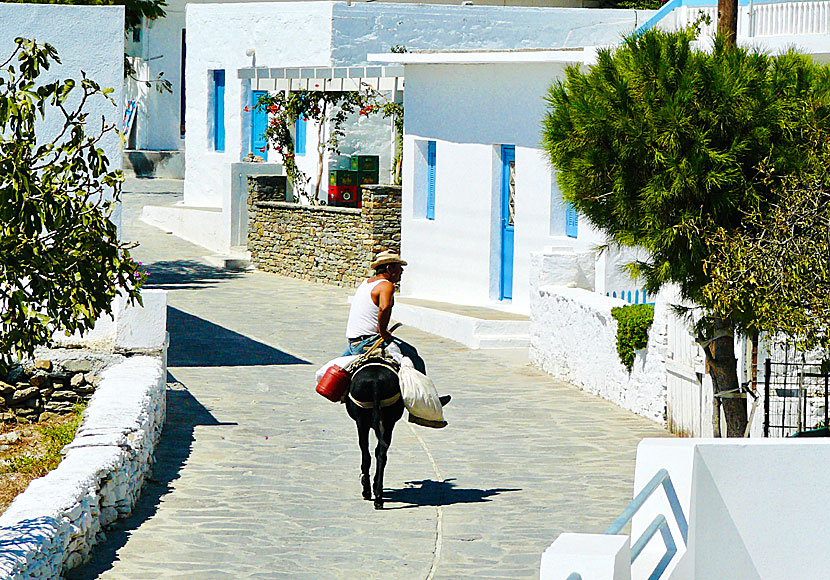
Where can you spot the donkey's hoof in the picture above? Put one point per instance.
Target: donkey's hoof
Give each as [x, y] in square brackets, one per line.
[367, 495]
[378, 504]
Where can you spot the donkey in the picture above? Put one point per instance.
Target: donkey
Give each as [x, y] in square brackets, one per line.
[374, 402]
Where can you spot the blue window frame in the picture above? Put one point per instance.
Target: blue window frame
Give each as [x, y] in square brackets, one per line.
[219, 110]
[259, 123]
[430, 180]
[300, 135]
[571, 221]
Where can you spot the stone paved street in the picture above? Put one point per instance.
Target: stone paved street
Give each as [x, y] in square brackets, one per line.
[257, 475]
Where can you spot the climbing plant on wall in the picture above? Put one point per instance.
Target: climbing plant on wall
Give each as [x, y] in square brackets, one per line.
[284, 108]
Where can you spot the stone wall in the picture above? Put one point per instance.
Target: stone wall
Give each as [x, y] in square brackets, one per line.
[46, 387]
[332, 245]
[53, 525]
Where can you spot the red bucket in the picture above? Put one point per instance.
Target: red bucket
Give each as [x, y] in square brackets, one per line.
[334, 383]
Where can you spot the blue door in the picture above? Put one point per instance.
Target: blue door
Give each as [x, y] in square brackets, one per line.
[259, 122]
[508, 196]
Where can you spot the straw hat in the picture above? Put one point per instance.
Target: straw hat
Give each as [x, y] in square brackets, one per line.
[387, 257]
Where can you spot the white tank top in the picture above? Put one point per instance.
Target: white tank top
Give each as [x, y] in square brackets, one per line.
[363, 316]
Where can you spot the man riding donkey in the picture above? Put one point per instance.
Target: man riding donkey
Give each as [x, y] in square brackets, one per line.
[369, 318]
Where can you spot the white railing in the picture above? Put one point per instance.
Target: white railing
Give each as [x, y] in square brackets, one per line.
[754, 18]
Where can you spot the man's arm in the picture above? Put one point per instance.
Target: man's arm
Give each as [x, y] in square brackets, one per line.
[386, 300]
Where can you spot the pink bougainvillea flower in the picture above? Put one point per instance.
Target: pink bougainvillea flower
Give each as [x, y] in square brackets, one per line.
[262, 149]
[246, 109]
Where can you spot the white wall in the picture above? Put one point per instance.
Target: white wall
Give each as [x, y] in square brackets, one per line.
[70, 30]
[470, 111]
[282, 33]
[573, 337]
[754, 509]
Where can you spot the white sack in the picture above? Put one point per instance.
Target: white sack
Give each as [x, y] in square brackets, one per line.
[342, 361]
[420, 397]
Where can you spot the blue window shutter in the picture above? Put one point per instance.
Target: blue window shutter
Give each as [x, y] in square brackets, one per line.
[571, 221]
[300, 135]
[259, 123]
[219, 110]
[431, 180]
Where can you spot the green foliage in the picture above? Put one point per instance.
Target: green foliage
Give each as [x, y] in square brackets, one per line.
[781, 274]
[61, 262]
[660, 145]
[633, 323]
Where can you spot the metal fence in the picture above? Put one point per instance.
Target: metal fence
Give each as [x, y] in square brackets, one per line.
[795, 397]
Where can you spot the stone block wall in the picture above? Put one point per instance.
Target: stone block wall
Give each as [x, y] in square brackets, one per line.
[53, 525]
[331, 245]
[50, 386]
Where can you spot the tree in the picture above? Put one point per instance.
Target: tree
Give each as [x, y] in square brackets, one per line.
[779, 270]
[662, 146]
[61, 262]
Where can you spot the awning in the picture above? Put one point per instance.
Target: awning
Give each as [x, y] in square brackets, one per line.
[347, 78]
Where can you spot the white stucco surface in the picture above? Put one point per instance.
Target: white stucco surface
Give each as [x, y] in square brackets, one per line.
[573, 337]
[470, 110]
[751, 506]
[69, 29]
[218, 37]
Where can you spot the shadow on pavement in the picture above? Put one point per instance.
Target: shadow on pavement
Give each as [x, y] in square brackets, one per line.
[184, 414]
[437, 493]
[185, 274]
[196, 342]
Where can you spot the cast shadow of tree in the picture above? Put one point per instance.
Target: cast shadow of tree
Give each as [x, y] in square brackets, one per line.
[186, 275]
[184, 414]
[428, 492]
[196, 342]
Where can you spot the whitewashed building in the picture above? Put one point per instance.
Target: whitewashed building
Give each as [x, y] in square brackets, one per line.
[233, 51]
[479, 195]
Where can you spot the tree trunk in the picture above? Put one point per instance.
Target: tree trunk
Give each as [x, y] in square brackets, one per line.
[728, 20]
[723, 368]
[321, 151]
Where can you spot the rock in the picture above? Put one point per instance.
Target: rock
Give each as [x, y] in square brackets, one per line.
[77, 380]
[48, 416]
[59, 379]
[91, 378]
[43, 364]
[59, 407]
[6, 417]
[21, 395]
[39, 380]
[65, 396]
[10, 437]
[4, 448]
[81, 365]
[5, 388]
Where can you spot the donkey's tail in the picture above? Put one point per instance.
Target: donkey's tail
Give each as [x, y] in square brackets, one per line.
[376, 422]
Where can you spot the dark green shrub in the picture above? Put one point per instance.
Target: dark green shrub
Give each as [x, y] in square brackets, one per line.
[633, 323]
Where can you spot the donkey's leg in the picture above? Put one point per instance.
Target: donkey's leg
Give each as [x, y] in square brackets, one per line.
[363, 426]
[384, 441]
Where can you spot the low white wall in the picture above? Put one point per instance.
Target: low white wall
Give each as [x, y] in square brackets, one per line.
[753, 507]
[54, 524]
[573, 337]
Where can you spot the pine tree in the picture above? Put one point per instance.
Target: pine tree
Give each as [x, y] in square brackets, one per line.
[662, 146]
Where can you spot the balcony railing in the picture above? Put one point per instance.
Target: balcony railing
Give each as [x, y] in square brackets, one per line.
[755, 18]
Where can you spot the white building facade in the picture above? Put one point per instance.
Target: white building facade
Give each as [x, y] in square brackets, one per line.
[479, 194]
[232, 50]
